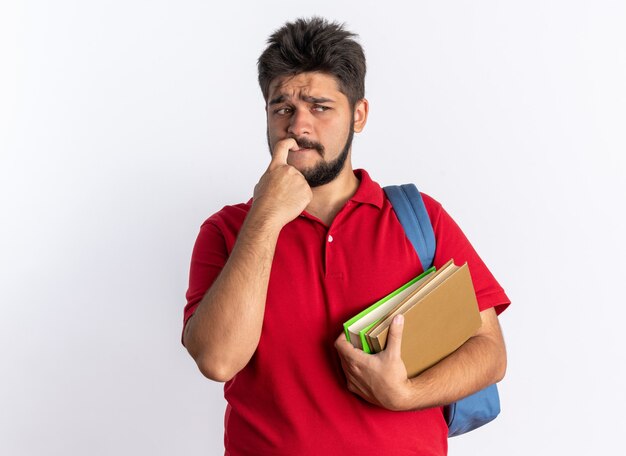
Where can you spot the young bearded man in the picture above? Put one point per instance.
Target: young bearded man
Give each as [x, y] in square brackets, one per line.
[272, 280]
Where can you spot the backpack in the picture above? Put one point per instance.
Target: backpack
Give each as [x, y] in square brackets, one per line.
[479, 408]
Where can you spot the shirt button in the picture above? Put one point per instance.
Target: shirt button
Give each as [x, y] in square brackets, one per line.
[330, 238]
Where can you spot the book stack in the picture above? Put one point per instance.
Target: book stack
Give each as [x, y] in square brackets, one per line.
[440, 314]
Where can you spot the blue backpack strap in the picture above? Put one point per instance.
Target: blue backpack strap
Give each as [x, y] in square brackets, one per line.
[482, 407]
[409, 207]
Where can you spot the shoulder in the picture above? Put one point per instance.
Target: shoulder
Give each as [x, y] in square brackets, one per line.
[440, 219]
[433, 208]
[431, 204]
[222, 228]
[229, 217]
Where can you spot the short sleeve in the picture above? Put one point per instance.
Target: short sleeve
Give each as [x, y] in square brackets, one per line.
[453, 244]
[207, 260]
[213, 246]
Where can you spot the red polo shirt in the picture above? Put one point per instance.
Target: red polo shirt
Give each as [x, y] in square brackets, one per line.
[292, 398]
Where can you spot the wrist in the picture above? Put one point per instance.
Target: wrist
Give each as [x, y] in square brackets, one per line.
[262, 221]
[416, 396]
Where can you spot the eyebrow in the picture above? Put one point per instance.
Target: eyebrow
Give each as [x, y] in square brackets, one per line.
[309, 99]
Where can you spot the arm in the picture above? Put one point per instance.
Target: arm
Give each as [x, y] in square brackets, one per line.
[225, 330]
[382, 378]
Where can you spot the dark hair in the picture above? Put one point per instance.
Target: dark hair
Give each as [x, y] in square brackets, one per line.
[314, 45]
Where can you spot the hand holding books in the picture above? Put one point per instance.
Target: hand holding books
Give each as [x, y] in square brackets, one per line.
[381, 379]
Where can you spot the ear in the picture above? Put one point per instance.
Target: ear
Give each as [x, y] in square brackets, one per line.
[361, 108]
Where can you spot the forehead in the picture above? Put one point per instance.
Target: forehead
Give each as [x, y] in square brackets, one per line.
[312, 84]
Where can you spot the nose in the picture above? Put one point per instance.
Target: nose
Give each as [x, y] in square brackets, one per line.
[300, 123]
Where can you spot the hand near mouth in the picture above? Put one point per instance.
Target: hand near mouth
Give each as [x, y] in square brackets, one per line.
[282, 193]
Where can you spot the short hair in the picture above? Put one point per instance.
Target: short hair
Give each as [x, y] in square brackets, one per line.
[314, 45]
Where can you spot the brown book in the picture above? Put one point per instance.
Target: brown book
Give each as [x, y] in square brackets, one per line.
[439, 317]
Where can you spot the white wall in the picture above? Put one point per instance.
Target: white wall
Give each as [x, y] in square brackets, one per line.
[124, 124]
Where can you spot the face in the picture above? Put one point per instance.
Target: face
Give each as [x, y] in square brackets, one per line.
[310, 108]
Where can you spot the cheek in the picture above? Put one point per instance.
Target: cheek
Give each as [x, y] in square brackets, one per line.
[275, 128]
[340, 132]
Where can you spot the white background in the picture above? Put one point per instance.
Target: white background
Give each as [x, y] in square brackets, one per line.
[124, 124]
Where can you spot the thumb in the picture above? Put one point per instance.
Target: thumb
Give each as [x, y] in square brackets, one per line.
[394, 338]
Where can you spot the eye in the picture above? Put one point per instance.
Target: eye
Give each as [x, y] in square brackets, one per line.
[283, 111]
[320, 108]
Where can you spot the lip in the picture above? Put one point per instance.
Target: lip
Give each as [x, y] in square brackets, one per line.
[300, 150]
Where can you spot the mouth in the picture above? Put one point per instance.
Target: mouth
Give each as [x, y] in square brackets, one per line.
[306, 146]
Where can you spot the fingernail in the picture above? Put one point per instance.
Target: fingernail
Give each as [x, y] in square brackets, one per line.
[398, 319]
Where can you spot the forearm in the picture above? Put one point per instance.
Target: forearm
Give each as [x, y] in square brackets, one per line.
[382, 378]
[224, 331]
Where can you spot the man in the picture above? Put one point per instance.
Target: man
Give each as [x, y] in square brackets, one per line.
[272, 280]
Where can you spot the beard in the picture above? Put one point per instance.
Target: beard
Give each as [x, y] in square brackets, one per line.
[323, 172]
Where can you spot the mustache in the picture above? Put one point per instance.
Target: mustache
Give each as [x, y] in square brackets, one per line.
[304, 143]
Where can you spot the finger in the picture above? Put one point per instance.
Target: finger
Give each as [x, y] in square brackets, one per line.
[356, 381]
[349, 368]
[355, 387]
[346, 369]
[342, 345]
[360, 389]
[342, 339]
[394, 338]
[352, 380]
[281, 151]
[352, 357]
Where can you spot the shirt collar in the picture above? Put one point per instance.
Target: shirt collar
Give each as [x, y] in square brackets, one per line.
[369, 192]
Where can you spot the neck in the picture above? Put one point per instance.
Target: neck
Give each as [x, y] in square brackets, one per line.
[330, 198]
